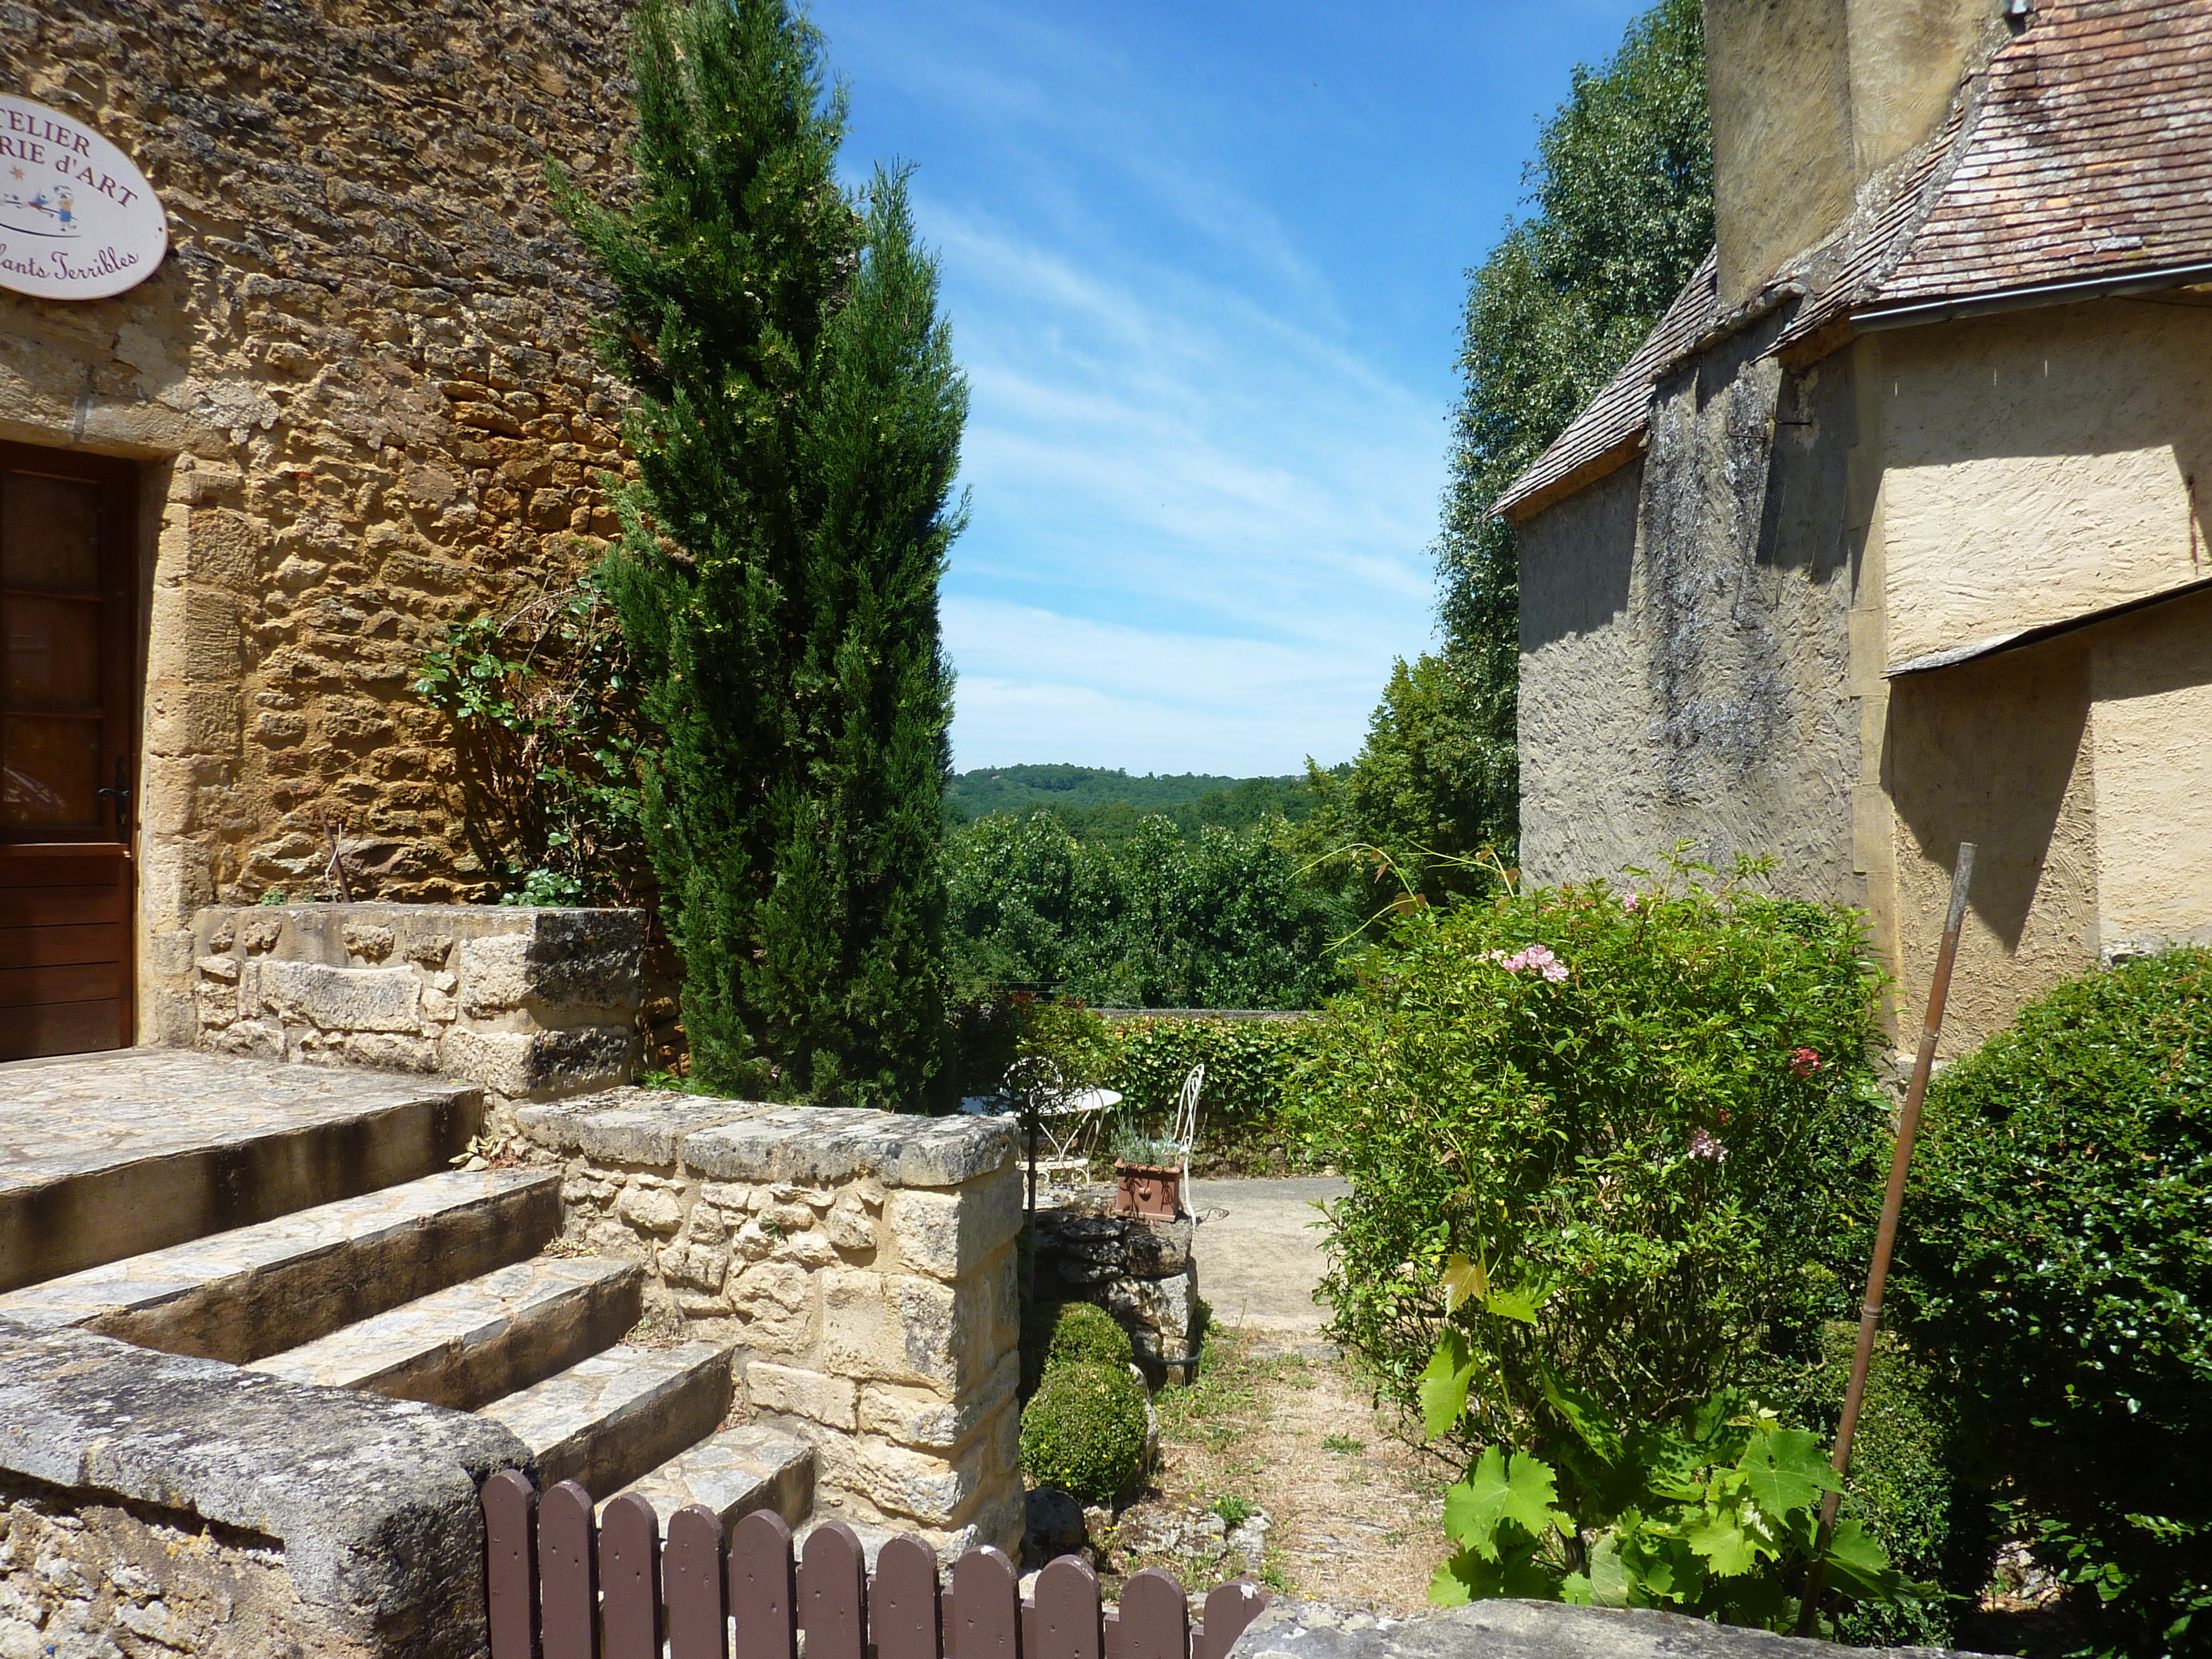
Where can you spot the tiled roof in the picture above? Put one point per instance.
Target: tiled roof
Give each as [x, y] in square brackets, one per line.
[2092, 156]
[2085, 153]
[1593, 443]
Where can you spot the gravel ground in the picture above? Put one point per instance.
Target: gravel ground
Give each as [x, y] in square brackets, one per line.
[1259, 1258]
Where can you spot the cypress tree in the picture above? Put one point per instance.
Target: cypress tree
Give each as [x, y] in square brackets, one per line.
[797, 433]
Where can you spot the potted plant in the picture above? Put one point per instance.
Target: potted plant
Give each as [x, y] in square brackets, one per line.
[1147, 1177]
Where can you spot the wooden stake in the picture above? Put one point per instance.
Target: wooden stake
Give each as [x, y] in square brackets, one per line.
[1885, 1238]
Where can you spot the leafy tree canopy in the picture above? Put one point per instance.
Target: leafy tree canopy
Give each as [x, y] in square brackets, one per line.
[1622, 190]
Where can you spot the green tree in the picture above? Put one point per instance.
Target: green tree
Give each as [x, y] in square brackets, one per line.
[797, 433]
[1622, 189]
[1414, 811]
[1157, 920]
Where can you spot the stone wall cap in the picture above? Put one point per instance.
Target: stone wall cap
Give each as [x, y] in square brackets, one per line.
[1521, 1630]
[760, 1141]
[629, 1125]
[823, 1144]
[369, 1494]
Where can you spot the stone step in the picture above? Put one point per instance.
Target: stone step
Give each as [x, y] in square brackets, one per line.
[112, 1155]
[734, 1473]
[609, 1419]
[473, 1342]
[258, 1289]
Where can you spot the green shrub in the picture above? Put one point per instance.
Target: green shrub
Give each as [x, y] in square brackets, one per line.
[1084, 1335]
[2058, 1248]
[1647, 1120]
[1058, 1332]
[1247, 1063]
[1905, 1484]
[1084, 1430]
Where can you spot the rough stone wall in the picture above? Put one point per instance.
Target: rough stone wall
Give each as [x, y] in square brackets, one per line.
[361, 389]
[78, 1575]
[158, 1502]
[531, 1003]
[863, 1263]
[1685, 639]
[1139, 1270]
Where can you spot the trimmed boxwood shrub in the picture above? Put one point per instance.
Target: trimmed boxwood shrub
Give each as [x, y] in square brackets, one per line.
[1084, 1430]
[2057, 1248]
[1905, 1485]
[1083, 1333]
[1054, 1334]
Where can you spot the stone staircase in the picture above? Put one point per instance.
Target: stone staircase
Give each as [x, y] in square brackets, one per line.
[438, 1285]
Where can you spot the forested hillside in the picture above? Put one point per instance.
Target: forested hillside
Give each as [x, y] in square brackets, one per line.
[1095, 804]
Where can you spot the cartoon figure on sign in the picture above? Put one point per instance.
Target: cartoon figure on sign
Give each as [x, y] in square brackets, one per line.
[54, 215]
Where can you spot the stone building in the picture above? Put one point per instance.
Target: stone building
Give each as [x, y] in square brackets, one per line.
[354, 400]
[1894, 532]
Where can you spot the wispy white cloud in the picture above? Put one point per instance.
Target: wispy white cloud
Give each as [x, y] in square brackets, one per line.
[1207, 427]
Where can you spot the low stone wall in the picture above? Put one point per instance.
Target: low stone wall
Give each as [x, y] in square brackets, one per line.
[1141, 1271]
[863, 1263]
[1524, 1629]
[532, 1004]
[152, 1503]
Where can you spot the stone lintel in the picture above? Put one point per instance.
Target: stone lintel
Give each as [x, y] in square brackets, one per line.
[374, 1499]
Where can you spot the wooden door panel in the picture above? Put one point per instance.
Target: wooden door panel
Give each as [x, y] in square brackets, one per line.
[75, 981]
[68, 730]
[63, 1028]
[55, 947]
[61, 907]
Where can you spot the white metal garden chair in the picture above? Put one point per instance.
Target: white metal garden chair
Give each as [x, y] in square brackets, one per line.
[1185, 1134]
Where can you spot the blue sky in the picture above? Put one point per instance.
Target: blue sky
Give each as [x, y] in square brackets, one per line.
[1204, 265]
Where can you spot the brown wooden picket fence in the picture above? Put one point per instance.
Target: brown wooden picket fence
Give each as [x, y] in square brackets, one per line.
[563, 1588]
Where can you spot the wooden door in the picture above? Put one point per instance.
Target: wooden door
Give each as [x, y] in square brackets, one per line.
[68, 725]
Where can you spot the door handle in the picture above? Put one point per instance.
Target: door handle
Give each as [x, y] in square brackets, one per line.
[121, 796]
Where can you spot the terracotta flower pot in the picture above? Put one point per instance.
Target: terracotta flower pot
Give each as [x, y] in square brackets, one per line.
[1143, 1189]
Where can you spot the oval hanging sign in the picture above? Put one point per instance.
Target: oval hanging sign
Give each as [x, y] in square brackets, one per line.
[77, 220]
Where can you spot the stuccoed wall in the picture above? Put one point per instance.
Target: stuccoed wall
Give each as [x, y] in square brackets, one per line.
[1685, 639]
[531, 1003]
[361, 391]
[864, 1263]
[1711, 640]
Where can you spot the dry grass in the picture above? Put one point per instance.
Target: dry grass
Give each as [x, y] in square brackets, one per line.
[1355, 1511]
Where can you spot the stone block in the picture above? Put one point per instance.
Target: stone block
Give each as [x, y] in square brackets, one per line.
[808, 1249]
[1522, 1630]
[891, 1328]
[344, 998]
[829, 1146]
[523, 1065]
[924, 1418]
[850, 1227]
[382, 1539]
[776, 1299]
[899, 1482]
[823, 1399]
[1155, 1312]
[700, 1266]
[948, 1235]
[652, 1209]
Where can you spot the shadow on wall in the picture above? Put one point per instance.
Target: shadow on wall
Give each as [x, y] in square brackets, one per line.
[1985, 752]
